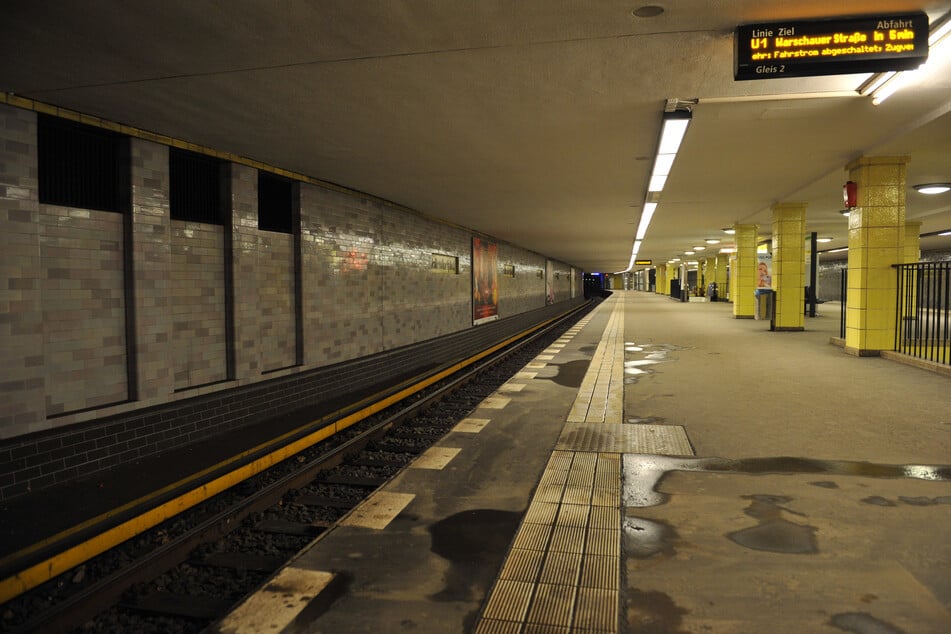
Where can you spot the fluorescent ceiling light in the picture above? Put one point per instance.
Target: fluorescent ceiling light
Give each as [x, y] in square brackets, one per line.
[672, 134]
[712, 241]
[699, 248]
[882, 86]
[657, 182]
[663, 163]
[945, 233]
[837, 250]
[933, 188]
[823, 239]
[728, 250]
[646, 216]
[729, 231]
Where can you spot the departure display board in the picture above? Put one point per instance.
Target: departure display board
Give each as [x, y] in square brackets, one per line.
[800, 48]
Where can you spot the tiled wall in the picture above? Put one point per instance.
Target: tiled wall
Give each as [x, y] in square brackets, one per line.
[84, 348]
[22, 371]
[197, 296]
[207, 297]
[276, 306]
[526, 290]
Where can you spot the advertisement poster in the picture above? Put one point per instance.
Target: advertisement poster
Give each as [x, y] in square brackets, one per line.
[485, 281]
[764, 270]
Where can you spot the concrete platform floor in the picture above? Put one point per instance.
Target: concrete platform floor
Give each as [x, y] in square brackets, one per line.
[817, 498]
[816, 533]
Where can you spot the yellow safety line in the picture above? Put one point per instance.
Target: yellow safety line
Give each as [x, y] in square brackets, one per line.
[42, 572]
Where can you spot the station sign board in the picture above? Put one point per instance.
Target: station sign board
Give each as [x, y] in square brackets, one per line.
[801, 48]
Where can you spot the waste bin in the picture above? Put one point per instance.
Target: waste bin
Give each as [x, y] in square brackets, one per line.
[765, 299]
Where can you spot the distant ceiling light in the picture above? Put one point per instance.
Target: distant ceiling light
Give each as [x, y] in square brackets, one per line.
[648, 11]
[728, 250]
[729, 231]
[845, 212]
[837, 250]
[945, 233]
[688, 253]
[712, 241]
[823, 239]
[933, 188]
[699, 248]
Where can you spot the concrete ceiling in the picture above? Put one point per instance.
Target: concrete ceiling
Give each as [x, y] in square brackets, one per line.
[534, 122]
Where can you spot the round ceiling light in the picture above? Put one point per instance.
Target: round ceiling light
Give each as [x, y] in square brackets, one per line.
[933, 188]
[712, 241]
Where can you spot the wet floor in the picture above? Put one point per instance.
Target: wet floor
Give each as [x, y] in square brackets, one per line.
[785, 544]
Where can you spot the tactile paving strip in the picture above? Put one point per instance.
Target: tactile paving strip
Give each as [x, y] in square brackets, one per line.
[664, 440]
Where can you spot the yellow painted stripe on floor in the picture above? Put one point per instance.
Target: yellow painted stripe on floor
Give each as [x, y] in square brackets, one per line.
[278, 603]
[378, 510]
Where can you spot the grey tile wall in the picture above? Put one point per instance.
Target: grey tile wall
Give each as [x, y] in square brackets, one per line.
[22, 371]
[372, 309]
[151, 275]
[197, 296]
[276, 308]
[84, 346]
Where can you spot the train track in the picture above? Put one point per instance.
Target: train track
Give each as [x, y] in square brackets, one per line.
[188, 571]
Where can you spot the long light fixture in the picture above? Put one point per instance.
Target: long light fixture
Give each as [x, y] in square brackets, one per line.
[671, 136]
[881, 86]
[674, 127]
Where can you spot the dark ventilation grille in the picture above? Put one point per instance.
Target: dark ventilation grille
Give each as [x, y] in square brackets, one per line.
[82, 166]
[275, 208]
[194, 192]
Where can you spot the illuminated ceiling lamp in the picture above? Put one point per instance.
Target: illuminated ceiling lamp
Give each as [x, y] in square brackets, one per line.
[671, 136]
[881, 86]
[932, 188]
[676, 120]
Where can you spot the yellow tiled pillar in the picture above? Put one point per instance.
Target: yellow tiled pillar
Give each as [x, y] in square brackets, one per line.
[660, 280]
[789, 264]
[731, 283]
[723, 261]
[912, 242]
[744, 273]
[876, 242]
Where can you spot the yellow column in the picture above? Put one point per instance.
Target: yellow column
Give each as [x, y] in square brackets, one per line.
[789, 264]
[660, 280]
[709, 272]
[723, 261]
[744, 273]
[876, 242]
[912, 242]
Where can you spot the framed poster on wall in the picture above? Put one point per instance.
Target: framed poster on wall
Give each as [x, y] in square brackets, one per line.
[485, 281]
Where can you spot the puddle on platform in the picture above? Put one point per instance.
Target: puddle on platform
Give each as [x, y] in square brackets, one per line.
[650, 420]
[646, 539]
[654, 612]
[825, 484]
[474, 542]
[774, 533]
[643, 473]
[569, 374]
[863, 623]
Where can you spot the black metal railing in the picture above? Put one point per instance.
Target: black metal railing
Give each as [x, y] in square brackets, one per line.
[843, 292]
[923, 311]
